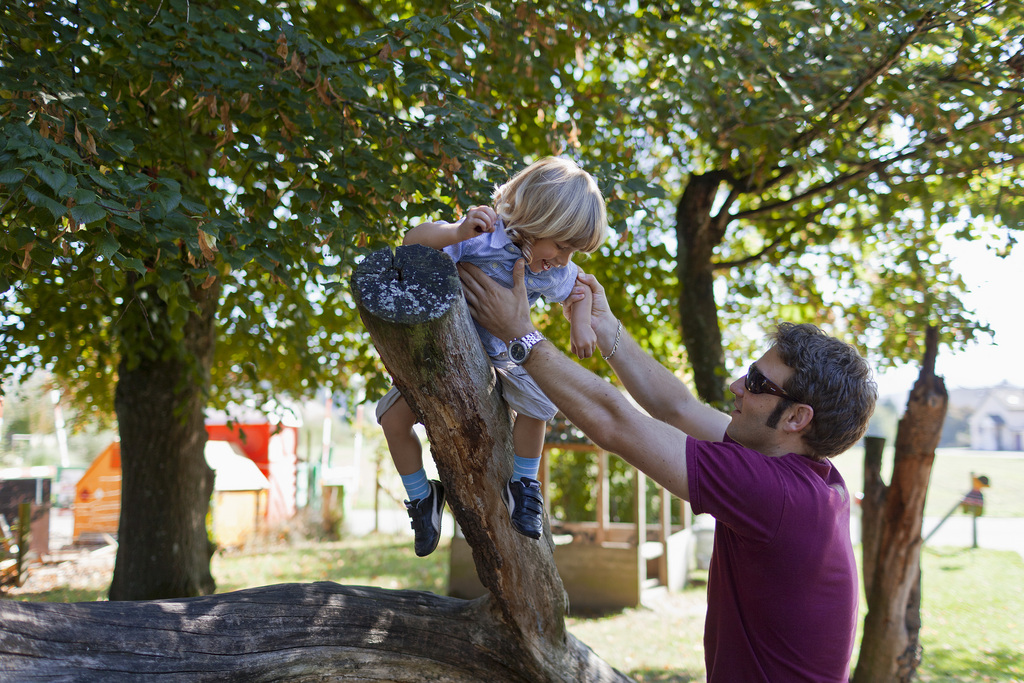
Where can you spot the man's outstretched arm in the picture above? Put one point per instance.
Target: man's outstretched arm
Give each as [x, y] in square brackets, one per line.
[657, 389]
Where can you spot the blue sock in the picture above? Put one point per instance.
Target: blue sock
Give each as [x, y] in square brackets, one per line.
[525, 467]
[416, 484]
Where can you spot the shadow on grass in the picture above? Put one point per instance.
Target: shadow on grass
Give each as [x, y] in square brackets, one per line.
[376, 560]
[960, 666]
[61, 595]
[653, 676]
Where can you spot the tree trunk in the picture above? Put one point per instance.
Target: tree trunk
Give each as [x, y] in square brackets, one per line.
[411, 302]
[163, 548]
[890, 648]
[871, 508]
[697, 235]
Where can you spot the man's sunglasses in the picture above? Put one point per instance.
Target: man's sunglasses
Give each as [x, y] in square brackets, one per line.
[757, 383]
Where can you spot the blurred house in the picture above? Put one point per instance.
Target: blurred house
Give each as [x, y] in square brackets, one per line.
[997, 423]
[239, 494]
[273, 445]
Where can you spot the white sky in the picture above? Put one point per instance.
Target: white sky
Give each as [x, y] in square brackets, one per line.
[996, 295]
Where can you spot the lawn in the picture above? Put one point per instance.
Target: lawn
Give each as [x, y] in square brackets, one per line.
[973, 602]
[951, 478]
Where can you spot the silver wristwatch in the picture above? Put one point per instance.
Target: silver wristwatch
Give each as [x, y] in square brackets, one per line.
[519, 349]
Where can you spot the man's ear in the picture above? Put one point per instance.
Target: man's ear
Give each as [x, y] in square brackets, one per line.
[797, 417]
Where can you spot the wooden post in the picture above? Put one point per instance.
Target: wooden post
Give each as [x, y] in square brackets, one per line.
[665, 511]
[603, 493]
[24, 539]
[640, 510]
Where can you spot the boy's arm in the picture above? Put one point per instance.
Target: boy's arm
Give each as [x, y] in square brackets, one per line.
[441, 234]
[582, 336]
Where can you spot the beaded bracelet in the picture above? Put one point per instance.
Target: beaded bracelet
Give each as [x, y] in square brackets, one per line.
[615, 346]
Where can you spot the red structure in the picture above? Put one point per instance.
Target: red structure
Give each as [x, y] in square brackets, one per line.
[274, 449]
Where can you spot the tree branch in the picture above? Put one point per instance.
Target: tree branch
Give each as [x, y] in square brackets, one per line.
[931, 141]
[854, 94]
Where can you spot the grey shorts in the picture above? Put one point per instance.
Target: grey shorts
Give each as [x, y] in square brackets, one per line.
[517, 388]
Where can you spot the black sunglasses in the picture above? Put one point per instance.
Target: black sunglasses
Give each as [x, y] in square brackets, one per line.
[756, 383]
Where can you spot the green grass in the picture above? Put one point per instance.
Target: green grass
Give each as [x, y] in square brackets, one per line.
[382, 561]
[972, 611]
[973, 615]
[951, 478]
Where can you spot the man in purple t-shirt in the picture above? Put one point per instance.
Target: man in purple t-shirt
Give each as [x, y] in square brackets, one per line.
[782, 587]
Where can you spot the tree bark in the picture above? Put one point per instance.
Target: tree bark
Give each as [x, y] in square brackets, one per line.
[411, 302]
[697, 235]
[163, 547]
[871, 508]
[290, 632]
[890, 648]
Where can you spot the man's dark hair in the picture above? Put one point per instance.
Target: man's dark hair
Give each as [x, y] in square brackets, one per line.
[831, 377]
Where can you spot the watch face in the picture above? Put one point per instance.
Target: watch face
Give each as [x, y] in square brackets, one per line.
[517, 351]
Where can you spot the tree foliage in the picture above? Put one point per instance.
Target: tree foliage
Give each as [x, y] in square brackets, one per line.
[154, 149]
[809, 159]
[800, 160]
[182, 186]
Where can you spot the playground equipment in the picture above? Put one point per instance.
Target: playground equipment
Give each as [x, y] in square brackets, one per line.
[972, 503]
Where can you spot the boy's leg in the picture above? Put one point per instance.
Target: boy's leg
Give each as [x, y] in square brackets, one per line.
[522, 493]
[426, 498]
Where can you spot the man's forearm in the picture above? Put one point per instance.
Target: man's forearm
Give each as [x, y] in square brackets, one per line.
[663, 395]
[609, 420]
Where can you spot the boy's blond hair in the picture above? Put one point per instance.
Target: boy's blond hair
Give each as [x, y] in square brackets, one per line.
[552, 198]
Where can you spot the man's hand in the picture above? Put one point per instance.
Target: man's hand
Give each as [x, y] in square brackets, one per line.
[505, 313]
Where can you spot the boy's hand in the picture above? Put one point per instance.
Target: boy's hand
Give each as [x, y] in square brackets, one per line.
[583, 341]
[478, 220]
[602, 320]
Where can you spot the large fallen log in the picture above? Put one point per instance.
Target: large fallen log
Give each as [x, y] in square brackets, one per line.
[290, 632]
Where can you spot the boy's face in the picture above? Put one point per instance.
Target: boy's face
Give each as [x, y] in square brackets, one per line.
[548, 253]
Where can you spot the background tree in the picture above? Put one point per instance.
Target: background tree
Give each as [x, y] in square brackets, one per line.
[181, 187]
[811, 158]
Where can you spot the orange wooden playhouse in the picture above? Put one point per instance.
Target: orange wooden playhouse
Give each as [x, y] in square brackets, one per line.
[98, 496]
[272, 447]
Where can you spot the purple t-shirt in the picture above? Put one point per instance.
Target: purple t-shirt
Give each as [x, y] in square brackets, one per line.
[782, 586]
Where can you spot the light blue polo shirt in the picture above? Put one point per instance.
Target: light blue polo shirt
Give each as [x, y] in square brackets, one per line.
[495, 255]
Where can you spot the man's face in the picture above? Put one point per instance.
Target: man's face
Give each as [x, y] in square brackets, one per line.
[752, 413]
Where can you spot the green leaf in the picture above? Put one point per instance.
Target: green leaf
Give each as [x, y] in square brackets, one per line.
[193, 207]
[131, 263]
[107, 245]
[307, 195]
[11, 176]
[87, 213]
[39, 199]
[55, 178]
